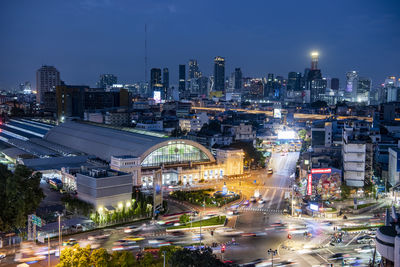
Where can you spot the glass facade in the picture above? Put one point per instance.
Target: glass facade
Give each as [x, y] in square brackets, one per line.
[174, 153]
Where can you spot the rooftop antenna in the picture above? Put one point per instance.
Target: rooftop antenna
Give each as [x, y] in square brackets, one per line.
[145, 52]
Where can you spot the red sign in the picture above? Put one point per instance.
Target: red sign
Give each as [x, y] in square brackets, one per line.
[309, 185]
[315, 171]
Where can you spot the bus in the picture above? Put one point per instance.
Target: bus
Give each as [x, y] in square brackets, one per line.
[56, 183]
[170, 219]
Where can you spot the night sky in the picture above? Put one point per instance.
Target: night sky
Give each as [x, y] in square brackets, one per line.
[83, 39]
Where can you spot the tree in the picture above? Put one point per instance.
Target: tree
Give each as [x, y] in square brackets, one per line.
[75, 256]
[194, 258]
[100, 258]
[20, 195]
[345, 191]
[122, 259]
[184, 219]
[302, 134]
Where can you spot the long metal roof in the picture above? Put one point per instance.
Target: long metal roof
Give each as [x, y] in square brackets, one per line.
[101, 141]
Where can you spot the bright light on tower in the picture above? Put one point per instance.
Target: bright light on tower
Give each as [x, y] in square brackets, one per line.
[314, 54]
[314, 60]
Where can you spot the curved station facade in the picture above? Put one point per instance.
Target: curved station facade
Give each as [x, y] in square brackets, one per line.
[143, 153]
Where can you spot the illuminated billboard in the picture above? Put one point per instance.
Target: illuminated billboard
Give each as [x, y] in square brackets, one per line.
[157, 191]
[277, 113]
[309, 185]
[317, 171]
[314, 207]
[157, 96]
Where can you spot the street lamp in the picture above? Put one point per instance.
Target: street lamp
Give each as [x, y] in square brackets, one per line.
[272, 253]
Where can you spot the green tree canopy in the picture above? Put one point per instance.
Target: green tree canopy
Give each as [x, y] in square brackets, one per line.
[194, 258]
[20, 195]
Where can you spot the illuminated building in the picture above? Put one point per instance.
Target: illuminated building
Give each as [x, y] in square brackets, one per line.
[47, 78]
[182, 80]
[107, 80]
[141, 153]
[219, 74]
[315, 84]
[238, 80]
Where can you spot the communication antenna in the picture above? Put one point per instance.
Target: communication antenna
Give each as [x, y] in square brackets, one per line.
[145, 52]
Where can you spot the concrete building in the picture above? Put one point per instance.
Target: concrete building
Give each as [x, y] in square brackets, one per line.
[117, 118]
[394, 166]
[353, 157]
[47, 79]
[388, 240]
[105, 188]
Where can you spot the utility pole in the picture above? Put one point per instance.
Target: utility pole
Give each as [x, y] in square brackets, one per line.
[59, 235]
[164, 257]
[272, 253]
[48, 250]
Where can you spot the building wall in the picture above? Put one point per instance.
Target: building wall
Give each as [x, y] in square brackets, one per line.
[392, 169]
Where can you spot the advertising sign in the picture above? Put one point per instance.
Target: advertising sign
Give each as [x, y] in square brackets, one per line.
[157, 96]
[314, 207]
[309, 185]
[277, 113]
[157, 191]
[326, 170]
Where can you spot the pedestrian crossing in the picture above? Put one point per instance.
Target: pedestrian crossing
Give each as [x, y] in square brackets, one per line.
[270, 211]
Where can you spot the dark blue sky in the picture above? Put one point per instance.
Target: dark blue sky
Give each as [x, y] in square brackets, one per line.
[84, 38]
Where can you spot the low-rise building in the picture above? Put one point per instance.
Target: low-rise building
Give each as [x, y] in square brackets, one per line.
[105, 188]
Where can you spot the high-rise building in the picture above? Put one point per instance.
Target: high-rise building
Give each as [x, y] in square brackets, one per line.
[47, 78]
[314, 82]
[363, 89]
[194, 71]
[203, 83]
[155, 77]
[314, 60]
[351, 85]
[182, 79]
[219, 74]
[238, 79]
[107, 80]
[25, 88]
[335, 84]
[166, 82]
[294, 81]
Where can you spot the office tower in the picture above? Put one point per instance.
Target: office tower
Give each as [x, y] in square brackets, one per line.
[315, 85]
[155, 78]
[314, 60]
[47, 78]
[390, 91]
[335, 84]
[351, 85]
[182, 79]
[294, 81]
[194, 71]
[238, 79]
[203, 83]
[219, 74]
[106, 80]
[165, 83]
[363, 89]
[269, 86]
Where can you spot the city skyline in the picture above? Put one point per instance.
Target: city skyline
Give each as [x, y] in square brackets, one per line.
[242, 36]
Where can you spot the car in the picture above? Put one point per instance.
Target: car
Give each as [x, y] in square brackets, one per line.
[261, 201]
[133, 238]
[253, 199]
[131, 229]
[270, 171]
[365, 249]
[366, 239]
[70, 242]
[2, 255]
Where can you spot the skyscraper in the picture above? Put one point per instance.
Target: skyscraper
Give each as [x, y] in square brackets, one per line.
[351, 85]
[335, 84]
[314, 82]
[294, 81]
[238, 79]
[194, 71]
[219, 74]
[155, 78]
[363, 89]
[106, 80]
[47, 78]
[182, 79]
[165, 83]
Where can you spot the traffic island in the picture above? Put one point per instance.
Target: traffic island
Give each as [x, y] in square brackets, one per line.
[214, 222]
